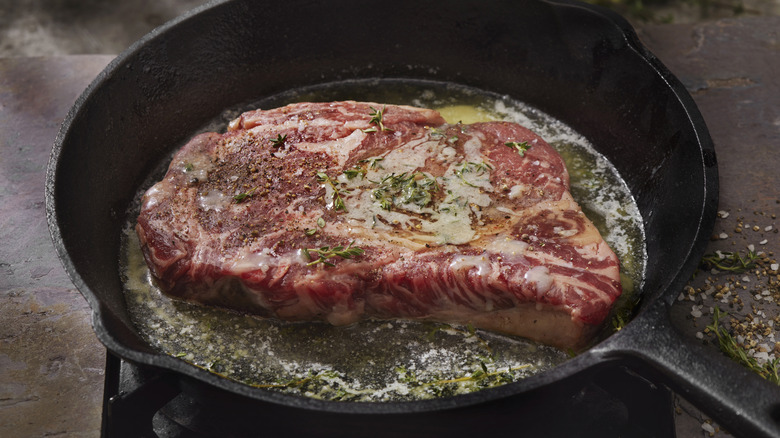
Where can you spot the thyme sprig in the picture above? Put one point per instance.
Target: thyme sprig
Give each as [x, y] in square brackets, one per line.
[326, 252]
[279, 140]
[241, 197]
[770, 370]
[730, 261]
[337, 200]
[435, 132]
[355, 171]
[520, 147]
[376, 119]
[373, 163]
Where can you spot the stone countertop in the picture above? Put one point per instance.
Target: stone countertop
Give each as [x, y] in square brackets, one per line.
[52, 365]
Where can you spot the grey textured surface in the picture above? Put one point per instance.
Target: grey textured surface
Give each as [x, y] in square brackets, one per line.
[57, 27]
[51, 364]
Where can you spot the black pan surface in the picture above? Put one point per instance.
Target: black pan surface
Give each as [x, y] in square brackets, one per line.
[579, 63]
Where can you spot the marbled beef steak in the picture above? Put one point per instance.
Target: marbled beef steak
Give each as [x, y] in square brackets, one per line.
[345, 210]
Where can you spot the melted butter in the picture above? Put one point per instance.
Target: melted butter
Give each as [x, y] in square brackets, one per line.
[540, 277]
[380, 360]
[507, 246]
[518, 190]
[481, 263]
[466, 114]
[214, 200]
[252, 261]
[197, 166]
[451, 221]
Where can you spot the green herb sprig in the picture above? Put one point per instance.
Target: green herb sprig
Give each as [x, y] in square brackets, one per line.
[376, 119]
[279, 140]
[770, 370]
[241, 197]
[730, 261]
[355, 171]
[520, 147]
[321, 255]
[337, 200]
[373, 163]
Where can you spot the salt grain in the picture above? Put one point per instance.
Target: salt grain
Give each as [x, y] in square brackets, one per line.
[723, 214]
[723, 236]
[708, 428]
[763, 242]
[769, 228]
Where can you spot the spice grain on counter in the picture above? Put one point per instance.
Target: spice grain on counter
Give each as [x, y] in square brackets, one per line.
[735, 293]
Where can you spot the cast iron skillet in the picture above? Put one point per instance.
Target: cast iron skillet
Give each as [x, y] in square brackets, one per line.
[581, 64]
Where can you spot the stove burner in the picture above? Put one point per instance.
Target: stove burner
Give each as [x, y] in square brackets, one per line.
[141, 401]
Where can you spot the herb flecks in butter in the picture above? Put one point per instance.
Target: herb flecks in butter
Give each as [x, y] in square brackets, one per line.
[355, 171]
[477, 169]
[406, 188]
[373, 163]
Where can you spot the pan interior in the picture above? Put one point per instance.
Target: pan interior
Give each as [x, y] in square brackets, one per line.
[384, 360]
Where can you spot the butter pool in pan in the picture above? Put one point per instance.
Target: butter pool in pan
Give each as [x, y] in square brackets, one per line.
[386, 360]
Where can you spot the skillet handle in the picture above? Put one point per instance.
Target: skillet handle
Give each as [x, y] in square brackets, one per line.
[737, 399]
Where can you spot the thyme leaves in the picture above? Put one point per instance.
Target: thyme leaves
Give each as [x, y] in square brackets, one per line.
[323, 254]
[373, 163]
[471, 167]
[336, 199]
[730, 261]
[355, 171]
[519, 146]
[279, 140]
[376, 119]
[243, 196]
[769, 370]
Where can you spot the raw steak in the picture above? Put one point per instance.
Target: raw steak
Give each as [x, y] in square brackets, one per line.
[342, 211]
